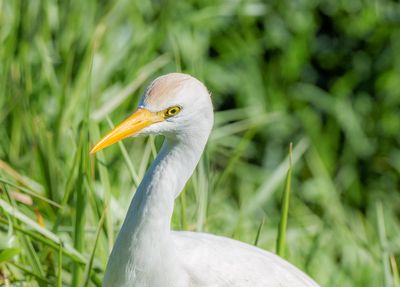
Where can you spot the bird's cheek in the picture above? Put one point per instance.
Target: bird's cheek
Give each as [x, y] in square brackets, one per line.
[151, 130]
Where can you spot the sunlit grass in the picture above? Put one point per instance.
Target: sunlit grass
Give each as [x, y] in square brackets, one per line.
[324, 78]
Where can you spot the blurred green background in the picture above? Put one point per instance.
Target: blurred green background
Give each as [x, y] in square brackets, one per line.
[324, 75]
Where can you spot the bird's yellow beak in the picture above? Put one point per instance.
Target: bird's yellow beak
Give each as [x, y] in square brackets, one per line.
[135, 123]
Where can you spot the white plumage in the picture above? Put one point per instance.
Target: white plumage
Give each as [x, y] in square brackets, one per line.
[147, 253]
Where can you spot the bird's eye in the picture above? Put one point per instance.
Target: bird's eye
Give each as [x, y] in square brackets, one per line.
[172, 111]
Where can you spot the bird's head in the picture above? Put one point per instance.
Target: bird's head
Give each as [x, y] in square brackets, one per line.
[175, 105]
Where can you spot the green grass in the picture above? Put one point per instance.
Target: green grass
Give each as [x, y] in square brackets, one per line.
[323, 75]
[281, 237]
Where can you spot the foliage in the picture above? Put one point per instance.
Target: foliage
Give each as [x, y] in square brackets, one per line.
[321, 74]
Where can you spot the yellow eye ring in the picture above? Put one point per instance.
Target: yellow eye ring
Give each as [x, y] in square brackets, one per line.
[172, 111]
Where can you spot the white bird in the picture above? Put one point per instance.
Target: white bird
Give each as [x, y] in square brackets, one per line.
[147, 253]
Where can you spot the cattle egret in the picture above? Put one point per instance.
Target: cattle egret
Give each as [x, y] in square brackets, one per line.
[147, 253]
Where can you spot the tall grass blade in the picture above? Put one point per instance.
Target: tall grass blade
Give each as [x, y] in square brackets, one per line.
[127, 159]
[202, 193]
[387, 277]
[143, 75]
[182, 200]
[80, 214]
[271, 183]
[88, 268]
[52, 239]
[259, 231]
[395, 271]
[33, 259]
[43, 280]
[105, 181]
[59, 265]
[8, 254]
[26, 243]
[237, 153]
[281, 239]
[31, 193]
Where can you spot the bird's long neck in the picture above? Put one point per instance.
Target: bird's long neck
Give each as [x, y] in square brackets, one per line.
[153, 202]
[145, 235]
